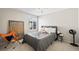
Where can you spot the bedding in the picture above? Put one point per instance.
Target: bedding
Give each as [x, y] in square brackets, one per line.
[39, 41]
[50, 30]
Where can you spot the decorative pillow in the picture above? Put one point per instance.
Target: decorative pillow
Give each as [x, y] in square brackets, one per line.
[21, 40]
[50, 30]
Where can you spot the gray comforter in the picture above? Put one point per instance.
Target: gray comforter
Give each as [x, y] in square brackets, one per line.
[39, 43]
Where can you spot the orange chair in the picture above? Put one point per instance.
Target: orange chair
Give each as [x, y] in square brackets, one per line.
[13, 34]
[13, 39]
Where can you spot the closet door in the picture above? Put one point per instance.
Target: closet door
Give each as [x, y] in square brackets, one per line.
[17, 26]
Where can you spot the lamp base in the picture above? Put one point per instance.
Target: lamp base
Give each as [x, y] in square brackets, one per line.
[73, 44]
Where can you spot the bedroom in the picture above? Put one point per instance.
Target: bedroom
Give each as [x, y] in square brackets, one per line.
[40, 19]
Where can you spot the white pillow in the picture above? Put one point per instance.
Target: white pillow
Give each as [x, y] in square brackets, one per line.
[21, 40]
[50, 30]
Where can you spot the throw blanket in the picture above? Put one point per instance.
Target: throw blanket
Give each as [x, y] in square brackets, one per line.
[39, 44]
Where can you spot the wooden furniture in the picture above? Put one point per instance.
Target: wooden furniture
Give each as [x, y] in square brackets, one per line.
[17, 27]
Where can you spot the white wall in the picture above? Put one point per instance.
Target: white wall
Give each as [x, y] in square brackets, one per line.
[65, 20]
[12, 14]
[78, 18]
[78, 23]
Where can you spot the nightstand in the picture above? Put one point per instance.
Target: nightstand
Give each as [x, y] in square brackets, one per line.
[60, 37]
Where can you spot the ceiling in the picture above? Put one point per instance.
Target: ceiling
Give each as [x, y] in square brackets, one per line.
[40, 11]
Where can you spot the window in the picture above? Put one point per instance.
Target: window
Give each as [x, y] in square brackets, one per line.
[32, 25]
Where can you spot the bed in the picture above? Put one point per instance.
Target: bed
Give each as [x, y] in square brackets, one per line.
[41, 40]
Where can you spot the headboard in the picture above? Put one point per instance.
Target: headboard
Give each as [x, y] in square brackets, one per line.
[51, 27]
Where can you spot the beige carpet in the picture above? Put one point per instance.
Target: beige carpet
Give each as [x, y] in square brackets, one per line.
[62, 46]
[56, 46]
[18, 47]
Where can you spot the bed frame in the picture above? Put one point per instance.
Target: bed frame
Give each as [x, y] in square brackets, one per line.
[40, 45]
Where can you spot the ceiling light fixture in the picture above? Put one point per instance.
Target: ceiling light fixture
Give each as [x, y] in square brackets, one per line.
[41, 10]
